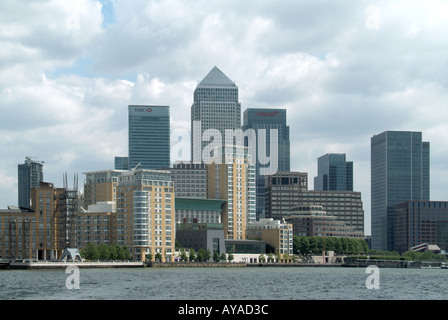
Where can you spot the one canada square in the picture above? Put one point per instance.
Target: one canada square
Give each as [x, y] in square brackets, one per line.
[215, 107]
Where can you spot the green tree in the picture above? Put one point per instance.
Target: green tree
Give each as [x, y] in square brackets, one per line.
[158, 256]
[103, 252]
[223, 256]
[126, 253]
[192, 255]
[207, 255]
[216, 257]
[201, 255]
[230, 257]
[90, 252]
[183, 255]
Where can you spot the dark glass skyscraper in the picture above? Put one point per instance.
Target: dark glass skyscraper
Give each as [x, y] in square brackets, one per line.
[268, 119]
[399, 173]
[334, 173]
[149, 136]
[30, 174]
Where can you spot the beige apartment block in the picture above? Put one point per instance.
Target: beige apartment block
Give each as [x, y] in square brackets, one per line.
[145, 220]
[233, 179]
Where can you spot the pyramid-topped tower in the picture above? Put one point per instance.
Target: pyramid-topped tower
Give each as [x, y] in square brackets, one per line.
[215, 106]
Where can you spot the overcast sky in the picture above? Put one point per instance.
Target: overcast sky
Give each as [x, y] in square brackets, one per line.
[344, 70]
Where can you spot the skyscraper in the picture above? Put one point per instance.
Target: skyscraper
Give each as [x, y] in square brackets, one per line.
[149, 136]
[399, 173]
[334, 173]
[268, 119]
[30, 174]
[214, 109]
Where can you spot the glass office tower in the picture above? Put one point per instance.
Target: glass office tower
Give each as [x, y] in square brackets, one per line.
[149, 137]
[399, 173]
[334, 173]
[30, 174]
[215, 107]
[268, 119]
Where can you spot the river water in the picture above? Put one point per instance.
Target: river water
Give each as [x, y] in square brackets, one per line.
[258, 283]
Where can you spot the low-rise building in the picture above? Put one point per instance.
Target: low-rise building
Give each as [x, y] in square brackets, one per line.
[276, 233]
[313, 221]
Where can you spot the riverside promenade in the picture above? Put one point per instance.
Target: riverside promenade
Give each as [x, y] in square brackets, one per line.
[63, 265]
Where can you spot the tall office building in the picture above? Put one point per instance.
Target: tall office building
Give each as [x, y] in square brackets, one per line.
[30, 175]
[214, 109]
[334, 173]
[149, 137]
[399, 173]
[267, 119]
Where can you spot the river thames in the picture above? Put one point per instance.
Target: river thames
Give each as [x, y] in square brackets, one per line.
[267, 283]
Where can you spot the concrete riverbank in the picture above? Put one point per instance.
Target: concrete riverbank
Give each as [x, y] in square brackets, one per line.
[63, 265]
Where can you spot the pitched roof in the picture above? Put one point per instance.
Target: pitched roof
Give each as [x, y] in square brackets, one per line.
[216, 78]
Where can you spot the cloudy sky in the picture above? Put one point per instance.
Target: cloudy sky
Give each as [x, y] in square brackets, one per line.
[344, 70]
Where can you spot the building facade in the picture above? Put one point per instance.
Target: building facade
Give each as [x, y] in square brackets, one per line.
[208, 236]
[149, 136]
[419, 222]
[266, 122]
[121, 163]
[190, 210]
[190, 179]
[234, 182]
[145, 220]
[43, 231]
[276, 233]
[215, 108]
[313, 221]
[100, 186]
[30, 174]
[399, 173]
[334, 173]
[287, 190]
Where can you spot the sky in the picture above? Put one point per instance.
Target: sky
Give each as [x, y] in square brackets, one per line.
[344, 70]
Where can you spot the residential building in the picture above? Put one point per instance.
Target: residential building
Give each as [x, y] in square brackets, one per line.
[215, 108]
[276, 233]
[234, 181]
[266, 123]
[399, 173]
[145, 220]
[149, 136]
[95, 225]
[100, 186]
[334, 173]
[419, 222]
[43, 231]
[30, 174]
[190, 179]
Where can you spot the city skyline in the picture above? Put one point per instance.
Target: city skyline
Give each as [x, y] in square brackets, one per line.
[343, 71]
